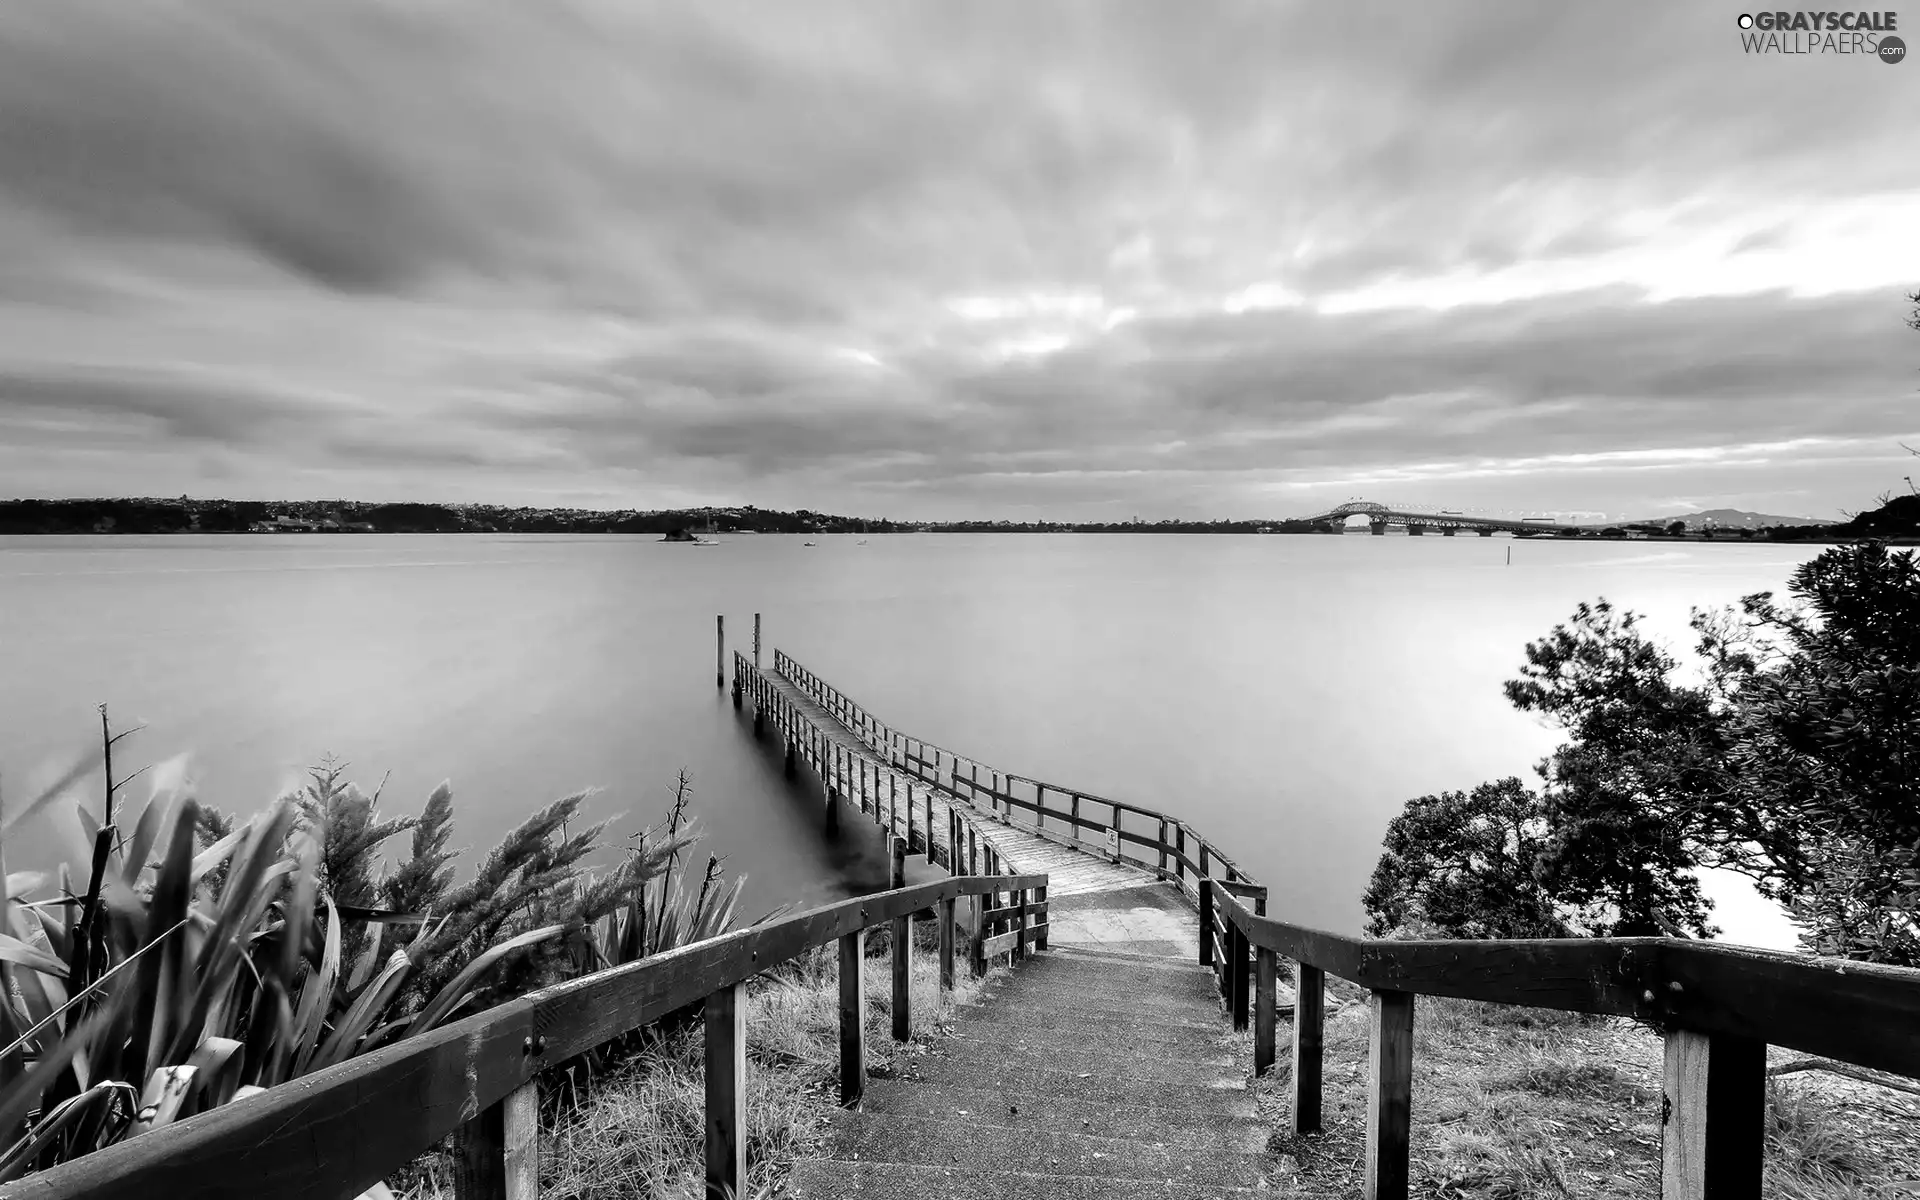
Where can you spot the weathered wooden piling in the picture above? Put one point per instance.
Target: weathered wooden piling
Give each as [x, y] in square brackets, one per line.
[720, 652]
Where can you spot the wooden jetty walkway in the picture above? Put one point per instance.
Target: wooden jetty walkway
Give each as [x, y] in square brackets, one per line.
[1105, 1064]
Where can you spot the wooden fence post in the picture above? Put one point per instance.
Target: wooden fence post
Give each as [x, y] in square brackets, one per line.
[1163, 847]
[1714, 1117]
[497, 1154]
[902, 953]
[1309, 1014]
[1020, 925]
[853, 1015]
[1264, 1001]
[1046, 918]
[946, 944]
[720, 652]
[726, 1054]
[1237, 974]
[1389, 1095]
[1206, 922]
[929, 821]
[977, 953]
[756, 640]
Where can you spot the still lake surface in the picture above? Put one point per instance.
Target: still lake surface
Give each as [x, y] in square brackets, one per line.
[1286, 694]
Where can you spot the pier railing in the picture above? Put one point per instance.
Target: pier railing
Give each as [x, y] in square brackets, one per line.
[1005, 921]
[1123, 832]
[337, 1132]
[1719, 1008]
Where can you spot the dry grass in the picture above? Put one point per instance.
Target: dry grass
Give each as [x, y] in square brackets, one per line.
[639, 1131]
[1519, 1103]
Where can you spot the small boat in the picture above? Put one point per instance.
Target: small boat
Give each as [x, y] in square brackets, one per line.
[808, 543]
[861, 542]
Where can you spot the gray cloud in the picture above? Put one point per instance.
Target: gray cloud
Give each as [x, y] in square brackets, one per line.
[370, 236]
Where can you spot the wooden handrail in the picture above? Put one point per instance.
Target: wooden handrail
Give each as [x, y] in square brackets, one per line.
[337, 1132]
[1719, 1007]
[1176, 852]
[983, 849]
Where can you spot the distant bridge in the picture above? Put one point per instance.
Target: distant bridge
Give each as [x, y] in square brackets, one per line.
[1380, 517]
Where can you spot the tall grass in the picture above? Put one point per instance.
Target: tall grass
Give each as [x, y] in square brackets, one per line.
[639, 1129]
[203, 959]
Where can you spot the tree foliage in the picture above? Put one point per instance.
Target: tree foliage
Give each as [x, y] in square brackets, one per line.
[1461, 864]
[1794, 761]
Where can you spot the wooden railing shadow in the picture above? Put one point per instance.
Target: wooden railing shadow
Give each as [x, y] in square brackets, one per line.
[1718, 1007]
[336, 1132]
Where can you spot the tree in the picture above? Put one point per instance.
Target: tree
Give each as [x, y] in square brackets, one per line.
[1823, 699]
[1630, 800]
[1677, 528]
[1462, 865]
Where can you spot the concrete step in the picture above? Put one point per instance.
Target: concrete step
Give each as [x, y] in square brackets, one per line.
[1116, 1028]
[1076, 1053]
[1078, 1082]
[1114, 975]
[1228, 1123]
[868, 1137]
[1146, 1000]
[835, 1179]
[1097, 952]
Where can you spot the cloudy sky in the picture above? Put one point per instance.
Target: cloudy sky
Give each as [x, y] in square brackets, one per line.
[1004, 258]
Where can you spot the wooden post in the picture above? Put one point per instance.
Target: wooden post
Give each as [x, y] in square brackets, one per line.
[833, 811]
[791, 766]
[1237, 974]
[1714, 1117]
[946, 945]
[977, 952]
[1309, 1013]
[893, 807]
[726, 1020]
[853, 1015]
[1389, 1096]
[720, 652]
[1264, 1000]
[902, 952]
[973, 851]
[497, 1154]
[1180, 843]
[1020, 927]
[756, 640]
[1206, 922]
[1046, 918]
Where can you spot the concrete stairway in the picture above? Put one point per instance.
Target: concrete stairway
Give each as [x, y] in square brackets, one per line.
[1081, 1073]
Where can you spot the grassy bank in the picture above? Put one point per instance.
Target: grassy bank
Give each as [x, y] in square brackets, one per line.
[1519, 1102]
[638, 1129]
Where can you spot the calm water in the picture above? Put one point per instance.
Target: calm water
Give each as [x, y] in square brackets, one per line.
[1286, 694]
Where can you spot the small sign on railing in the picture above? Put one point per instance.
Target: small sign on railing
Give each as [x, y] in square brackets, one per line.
[1113, 844]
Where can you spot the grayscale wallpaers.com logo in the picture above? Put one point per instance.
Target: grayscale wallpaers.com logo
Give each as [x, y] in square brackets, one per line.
[1866, 33]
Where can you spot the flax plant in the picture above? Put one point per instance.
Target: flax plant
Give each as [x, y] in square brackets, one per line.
[205, 959]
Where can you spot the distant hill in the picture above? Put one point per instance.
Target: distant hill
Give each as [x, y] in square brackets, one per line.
[1729, 517]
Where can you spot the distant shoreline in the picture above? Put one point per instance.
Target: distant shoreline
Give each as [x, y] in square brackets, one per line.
[1825, 537]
